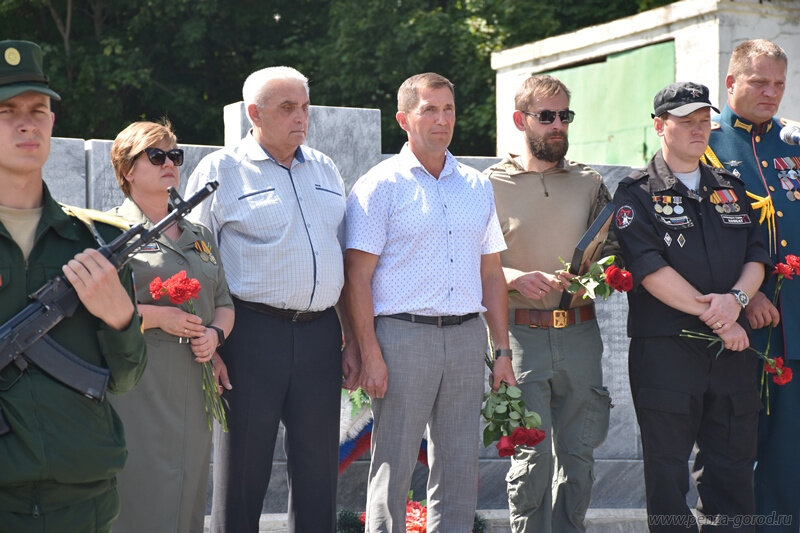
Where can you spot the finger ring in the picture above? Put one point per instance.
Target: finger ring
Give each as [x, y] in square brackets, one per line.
[717, 325]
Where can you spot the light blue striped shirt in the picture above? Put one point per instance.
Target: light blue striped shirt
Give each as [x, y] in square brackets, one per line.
[430, 234]
[278, 229]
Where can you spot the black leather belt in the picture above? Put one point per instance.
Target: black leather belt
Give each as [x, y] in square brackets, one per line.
[286, 314]
[438, 321]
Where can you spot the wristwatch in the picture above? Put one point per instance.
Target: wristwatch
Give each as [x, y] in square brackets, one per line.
[220, 335]
[503, 352]
[741, 297]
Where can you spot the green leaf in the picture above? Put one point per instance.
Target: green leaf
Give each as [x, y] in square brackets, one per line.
[513, 392]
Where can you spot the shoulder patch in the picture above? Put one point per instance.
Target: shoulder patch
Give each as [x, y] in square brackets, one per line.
[89, 216]
[624, 216]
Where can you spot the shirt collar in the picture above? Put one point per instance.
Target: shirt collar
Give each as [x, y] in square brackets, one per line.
[54, 216]
[256, 152]
[661, 178]
[409, 160]
[513, 166]
[130, 211]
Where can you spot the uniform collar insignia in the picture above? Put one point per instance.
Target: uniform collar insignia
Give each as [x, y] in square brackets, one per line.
[745, 126]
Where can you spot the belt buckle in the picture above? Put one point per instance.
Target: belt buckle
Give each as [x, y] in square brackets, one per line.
[559, 318]
[296, 316]
[183, 340]
[438, 321]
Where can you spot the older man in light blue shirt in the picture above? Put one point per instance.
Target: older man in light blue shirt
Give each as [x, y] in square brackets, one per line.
[277, 215]
[423, 245]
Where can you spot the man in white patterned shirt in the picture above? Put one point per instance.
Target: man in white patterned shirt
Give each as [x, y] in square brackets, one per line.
[422, 262]
[277, 216]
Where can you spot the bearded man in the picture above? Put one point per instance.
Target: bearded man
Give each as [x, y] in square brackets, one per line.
[556, 352]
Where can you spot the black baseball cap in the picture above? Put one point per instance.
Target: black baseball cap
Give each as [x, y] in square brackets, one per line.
[681, 99]
[21, 70]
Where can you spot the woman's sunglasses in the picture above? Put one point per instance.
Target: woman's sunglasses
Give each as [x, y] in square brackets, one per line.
[157, 156]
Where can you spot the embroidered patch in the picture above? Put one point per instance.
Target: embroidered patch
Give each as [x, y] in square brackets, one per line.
[736, 219]
[667, 239]
[624, 216]
[681, 240]
[676, 222]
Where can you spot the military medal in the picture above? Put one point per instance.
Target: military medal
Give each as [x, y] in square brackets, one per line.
[715, 199]
[678, 209]
[657, 205]
[667, 207]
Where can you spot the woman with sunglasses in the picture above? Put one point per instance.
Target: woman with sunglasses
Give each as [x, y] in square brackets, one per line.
[163, 485]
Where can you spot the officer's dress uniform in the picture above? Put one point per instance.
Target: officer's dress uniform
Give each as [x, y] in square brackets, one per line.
[682, 392]
[57, 465]
[770, 170]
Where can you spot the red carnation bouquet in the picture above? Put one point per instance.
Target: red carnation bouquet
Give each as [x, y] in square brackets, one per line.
[182, 290]
[773, 366]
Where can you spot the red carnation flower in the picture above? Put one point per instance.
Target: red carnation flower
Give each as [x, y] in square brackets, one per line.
[794, 262]
[784, 377]
[782, 269]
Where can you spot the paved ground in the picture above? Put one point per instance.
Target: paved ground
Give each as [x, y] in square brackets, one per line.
[598, 521]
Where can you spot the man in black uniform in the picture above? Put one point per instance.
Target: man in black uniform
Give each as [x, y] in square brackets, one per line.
[690, 238]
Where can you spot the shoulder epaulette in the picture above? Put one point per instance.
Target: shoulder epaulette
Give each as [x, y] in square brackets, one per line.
[90, 216]
[788, 122]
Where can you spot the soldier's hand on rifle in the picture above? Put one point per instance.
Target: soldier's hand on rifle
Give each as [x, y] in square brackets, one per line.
[97, 283]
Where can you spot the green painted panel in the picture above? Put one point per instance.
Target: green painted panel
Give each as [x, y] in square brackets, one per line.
[613, 100]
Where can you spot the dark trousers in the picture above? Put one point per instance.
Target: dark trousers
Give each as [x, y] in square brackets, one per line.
[289, 372]
[684, 394]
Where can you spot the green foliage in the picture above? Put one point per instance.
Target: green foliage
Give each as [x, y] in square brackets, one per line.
[505, 411]
[114, 61]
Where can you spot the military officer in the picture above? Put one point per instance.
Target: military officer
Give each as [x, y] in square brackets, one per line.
[745, 139]
[692, 243]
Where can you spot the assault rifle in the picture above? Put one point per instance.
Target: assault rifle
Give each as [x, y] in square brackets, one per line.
[24, 339]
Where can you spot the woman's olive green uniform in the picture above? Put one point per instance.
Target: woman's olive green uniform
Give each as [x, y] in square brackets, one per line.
[163, 487]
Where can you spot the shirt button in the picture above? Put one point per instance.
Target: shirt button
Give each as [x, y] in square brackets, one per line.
[308, 225]
[771, 188]
[300, 198]
[779, 213]
[758, 138]
[784, 243]
[764, 164]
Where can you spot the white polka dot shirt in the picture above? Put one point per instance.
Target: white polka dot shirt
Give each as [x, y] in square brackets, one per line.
[430, 234]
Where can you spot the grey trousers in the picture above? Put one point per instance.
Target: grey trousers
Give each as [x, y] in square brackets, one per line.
[561, 377]
[435, 385]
